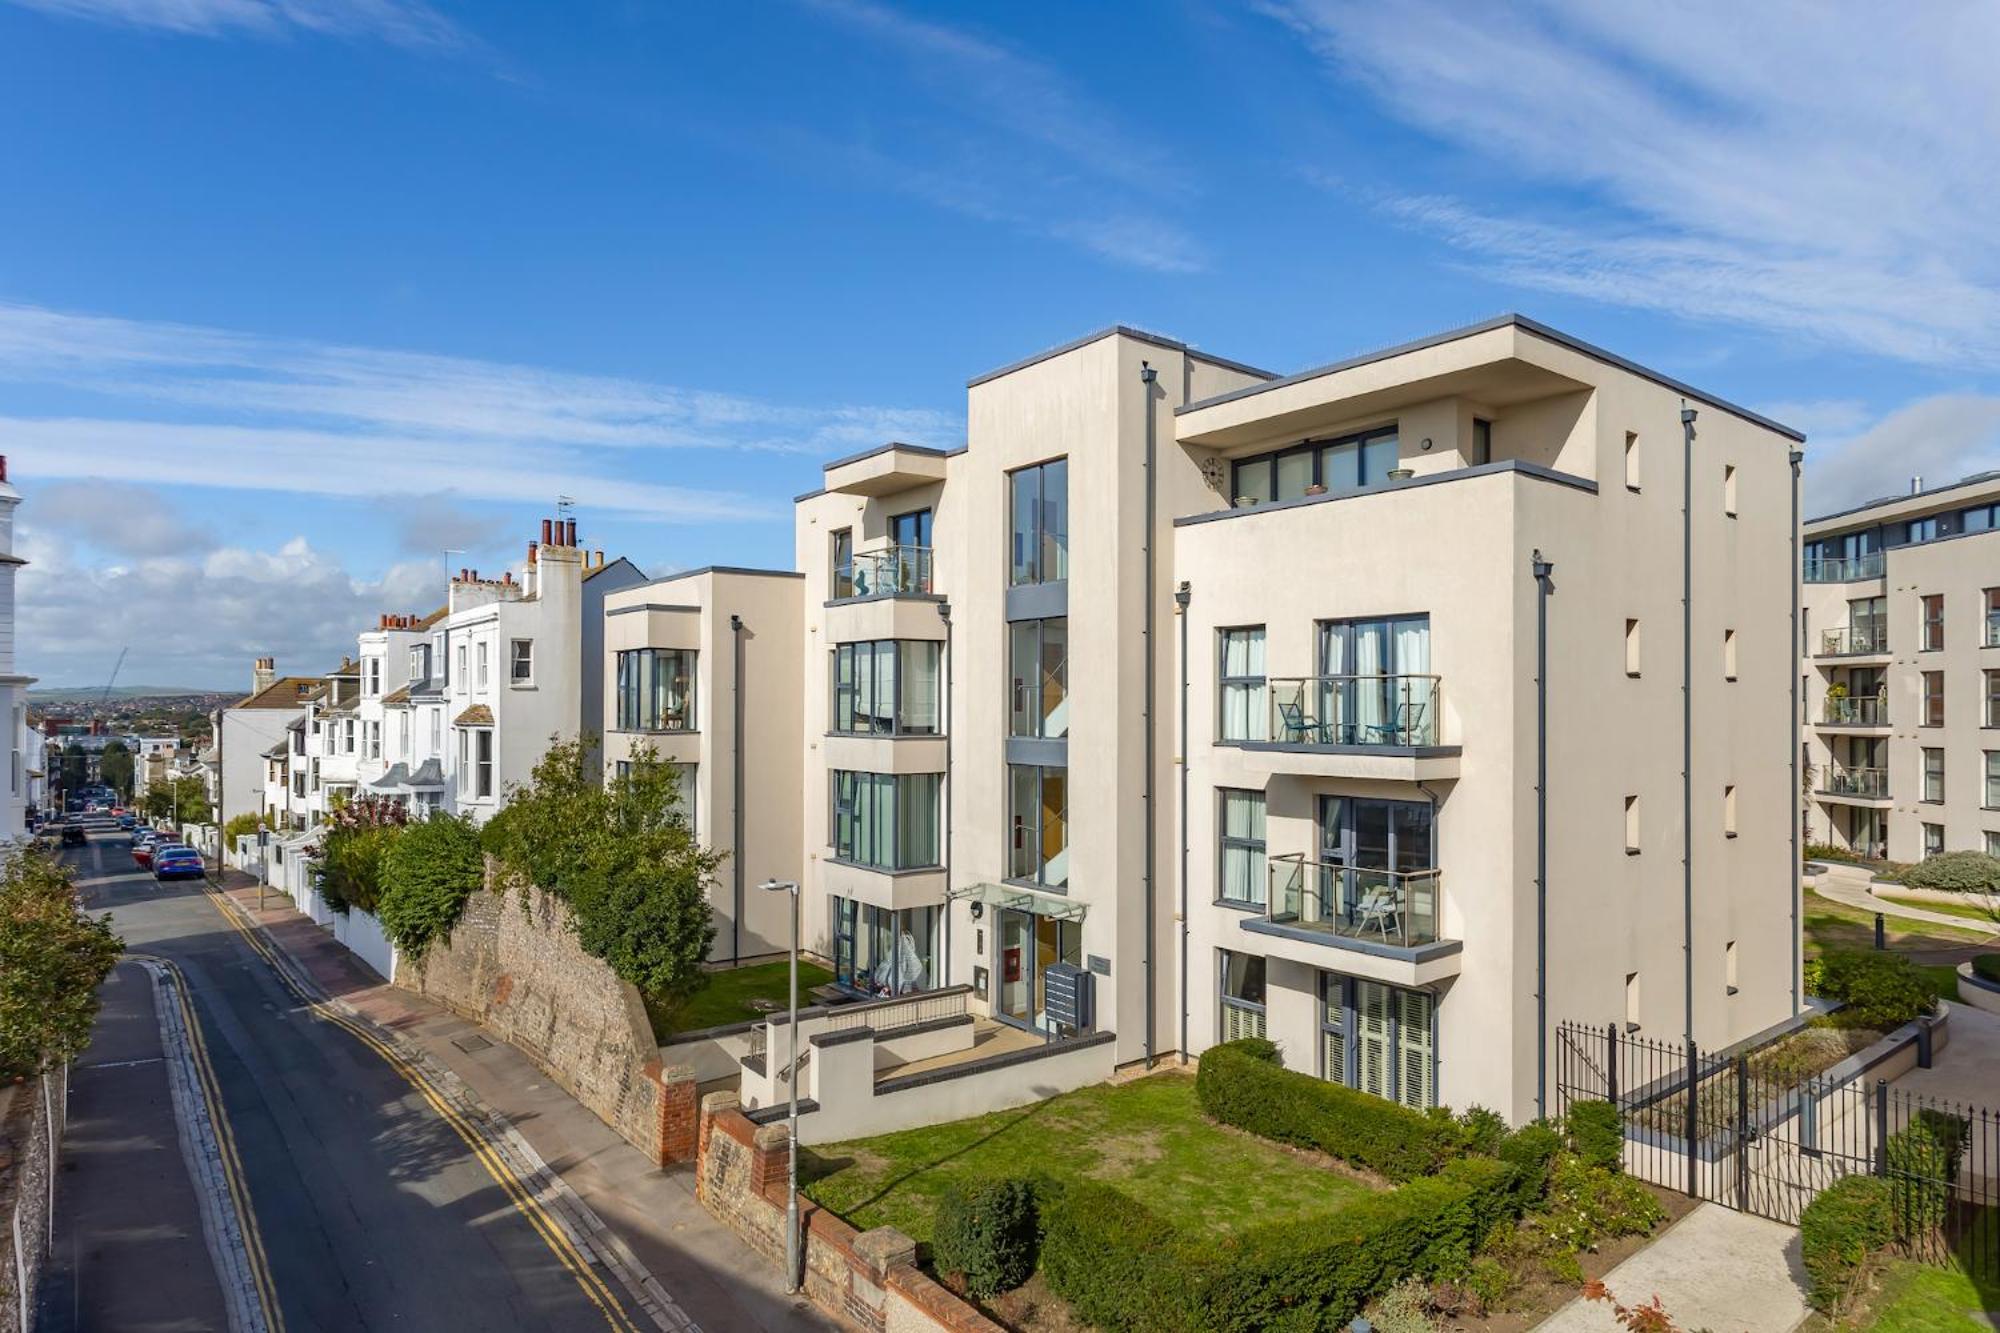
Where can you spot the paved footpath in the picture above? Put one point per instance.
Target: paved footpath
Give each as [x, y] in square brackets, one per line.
[647, 1216]
[1849, 885]
[1715, 1269]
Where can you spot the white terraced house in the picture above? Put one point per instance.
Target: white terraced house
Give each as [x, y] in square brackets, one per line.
[1185, 702]
[1901, 658]
[395, 660]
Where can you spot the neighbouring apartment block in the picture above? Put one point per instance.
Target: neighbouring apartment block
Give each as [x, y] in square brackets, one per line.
[24, 763]
[1901, 648]
[1188, 702]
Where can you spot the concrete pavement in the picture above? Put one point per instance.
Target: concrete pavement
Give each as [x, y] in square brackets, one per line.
[1715, 1269]
[1849, 885]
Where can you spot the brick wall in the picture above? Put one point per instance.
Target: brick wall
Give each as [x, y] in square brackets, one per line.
[868, 1280]
[513, 966]
[27, 1158]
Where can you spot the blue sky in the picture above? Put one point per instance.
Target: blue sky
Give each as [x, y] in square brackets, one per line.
[294, 294]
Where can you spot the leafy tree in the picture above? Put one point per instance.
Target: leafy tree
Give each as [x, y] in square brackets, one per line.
[239, 826]
[428, 872]
[357, 837]
[622, 856]
[53, 957]
[183, 799]
[115, 768]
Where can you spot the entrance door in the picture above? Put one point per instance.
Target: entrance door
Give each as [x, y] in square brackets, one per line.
[1016, 969]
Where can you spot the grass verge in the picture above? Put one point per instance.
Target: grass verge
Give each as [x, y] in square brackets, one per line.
[1147, 1138]
[727, 997]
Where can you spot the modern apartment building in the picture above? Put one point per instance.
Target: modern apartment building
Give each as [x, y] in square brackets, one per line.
[15, 799]
[1901, 645]
[1185, 702]
[702, 668]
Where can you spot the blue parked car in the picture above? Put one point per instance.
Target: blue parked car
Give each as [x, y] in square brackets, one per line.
[127, 820]
[175, 861]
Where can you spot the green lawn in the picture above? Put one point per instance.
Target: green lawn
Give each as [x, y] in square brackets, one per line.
[1832, 925]
[1147, 1138]
[726, 998]
[1918, 1298]
[1969, 910]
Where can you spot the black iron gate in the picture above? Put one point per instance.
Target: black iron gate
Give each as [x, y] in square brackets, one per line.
[1742, 1132]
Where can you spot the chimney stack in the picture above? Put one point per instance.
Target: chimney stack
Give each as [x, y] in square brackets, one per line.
[262, 672]
[533, 550]
[569, 532]
[547, 524]
[3, 467]
[1916, 483]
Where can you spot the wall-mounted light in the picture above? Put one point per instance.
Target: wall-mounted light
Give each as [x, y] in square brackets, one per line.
[1426, 445]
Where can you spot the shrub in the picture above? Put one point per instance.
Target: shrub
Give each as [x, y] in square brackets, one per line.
[1877, 990]
[241, 826]
[1589, 1204]
[350, 868]
[1530, 1150]
[1987, 965]
[1240, 1083]
[986, 1233]
[1597, 1133]
[1955, 872]
[1119, 1264]
[53, 957]
[1839, 1230]
[1923, 1166]
[428, 872]
[1482, 1130]
[1404, 1308]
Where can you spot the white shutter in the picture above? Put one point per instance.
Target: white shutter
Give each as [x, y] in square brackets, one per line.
[1413, 1043]
[1333, 1055]
[1371, 1006]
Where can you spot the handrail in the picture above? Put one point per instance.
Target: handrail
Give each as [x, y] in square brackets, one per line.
[1355, 710]
[1844, 569]
[1840, 780]
[889, 571]
[1849, 640]
[1399, 907]
[1861, 710]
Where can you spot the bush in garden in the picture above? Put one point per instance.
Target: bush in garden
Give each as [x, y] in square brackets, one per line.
[53, 957]
[239, 826]
[986, 1232]
[1839, 1230]
[1597, 1133]
[1987, 965]
[1877, 990]
[1956, 872]
[1482, 1130]
[1240, 1083]
[428, 873]
[1530, 1150]
[1588, 1204]
[1923, 1166]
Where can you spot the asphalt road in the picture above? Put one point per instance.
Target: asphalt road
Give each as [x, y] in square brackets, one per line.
[371, 1211]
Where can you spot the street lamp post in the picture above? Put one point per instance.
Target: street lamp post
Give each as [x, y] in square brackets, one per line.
[263, 860]
[792, 1283]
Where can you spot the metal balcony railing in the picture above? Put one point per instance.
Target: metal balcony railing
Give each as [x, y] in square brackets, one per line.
[1403, 908]
[1853, 640]
[1840, 780]
[1865, 710]
[1844, 569]
[1355, 710]
[893, 571]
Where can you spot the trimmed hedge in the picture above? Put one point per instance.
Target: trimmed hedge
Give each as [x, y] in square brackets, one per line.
[1839, 1230]
[1877, 990]
[985, 1233]
[1987, 965]
[1530, 1150]
[1923, 1166]
[1241, 1083]
[1122, 1266]
[1597, 1133]
[1955, 872]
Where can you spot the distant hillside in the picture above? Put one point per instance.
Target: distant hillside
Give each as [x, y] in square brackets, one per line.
[87, 693]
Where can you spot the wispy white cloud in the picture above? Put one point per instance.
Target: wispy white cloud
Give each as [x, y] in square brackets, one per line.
[409, 23]
[1006, 138]
[292, 416]
[1940, 438]
[1784, 166]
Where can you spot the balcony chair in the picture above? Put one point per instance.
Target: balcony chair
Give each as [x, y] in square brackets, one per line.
[1380, 909]
[1298, 730]
[1402, 729]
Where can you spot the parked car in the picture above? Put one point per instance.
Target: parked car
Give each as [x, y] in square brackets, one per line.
[177, 861]
[128, 820]
[143, 849]
[74, 836]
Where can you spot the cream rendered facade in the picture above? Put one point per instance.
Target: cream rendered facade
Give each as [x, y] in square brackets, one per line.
[1508, 438]
[725, 644]
[1901, 648]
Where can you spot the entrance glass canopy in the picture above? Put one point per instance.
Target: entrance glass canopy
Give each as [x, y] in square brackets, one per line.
[1052, 905]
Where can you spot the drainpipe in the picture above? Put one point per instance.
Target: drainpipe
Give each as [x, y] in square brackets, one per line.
[736, 784]
[1147, 378]
[1544, 585]
[1182, 596]
[1687, 713]
[1798, 804]
[944, 614]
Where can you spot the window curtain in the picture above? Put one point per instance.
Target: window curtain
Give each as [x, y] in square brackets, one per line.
[920, 688]
[1243, 702]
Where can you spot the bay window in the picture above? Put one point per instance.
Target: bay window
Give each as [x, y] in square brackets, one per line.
[887, 687]
[886, 821]
[656, 689]
[882, 953]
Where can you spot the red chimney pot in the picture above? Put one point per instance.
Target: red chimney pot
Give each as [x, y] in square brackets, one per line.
[546, 525]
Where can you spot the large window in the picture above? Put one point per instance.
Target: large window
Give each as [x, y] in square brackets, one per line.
[475, 762]
[656, 689]
[1038, 524]
[1038, 702]
[882, 953]
[521, 662]
[842, 560]
[887, 687]
[1242, 995]
[1933, 715]
[1241, 701]
[1346, 464]
[1933, 604]
[482, 653]
[1038, 825]
[371, 676]
[884, 820]
[1992, 799]
[1379, 1038]
[1375, 686]
[1992, 636]
[1933, 775]
[1993, 698]
[1241, 872]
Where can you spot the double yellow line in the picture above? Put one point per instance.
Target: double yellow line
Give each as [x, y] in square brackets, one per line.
[516, 1190]
[225, 1137]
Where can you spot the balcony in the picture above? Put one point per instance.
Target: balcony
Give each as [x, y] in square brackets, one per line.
[892, 571]
[1861, 711]
[1844, 569]
[1385, 727]
[1853, 786]
[1390, 920]
[1866, 640]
